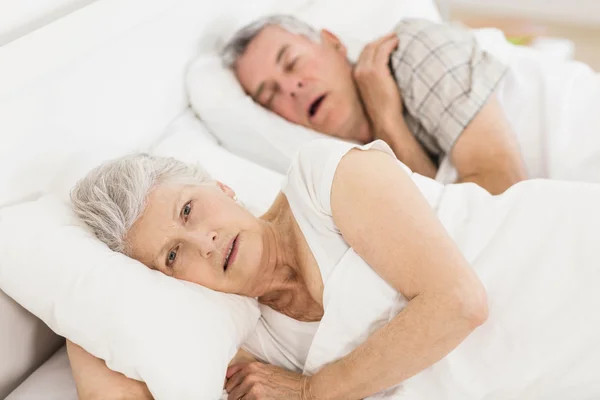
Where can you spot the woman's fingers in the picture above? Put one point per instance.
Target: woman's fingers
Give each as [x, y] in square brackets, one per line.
[234, 380]
[232, 370]
[241, 387]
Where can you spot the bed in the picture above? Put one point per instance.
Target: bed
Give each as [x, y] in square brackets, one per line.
[91, 84]
[109, 79]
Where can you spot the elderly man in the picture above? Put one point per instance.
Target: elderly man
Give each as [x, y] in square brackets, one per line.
[426, 89]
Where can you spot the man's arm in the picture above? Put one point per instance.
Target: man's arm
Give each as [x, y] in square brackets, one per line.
[447, 84]
[487, 153]
[381, 97]
[408, 149]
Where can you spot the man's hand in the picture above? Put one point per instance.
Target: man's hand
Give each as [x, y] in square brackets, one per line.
[258, 381]
[383, 104]
[377, 87]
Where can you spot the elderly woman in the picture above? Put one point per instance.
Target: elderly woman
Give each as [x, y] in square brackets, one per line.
[173, 218]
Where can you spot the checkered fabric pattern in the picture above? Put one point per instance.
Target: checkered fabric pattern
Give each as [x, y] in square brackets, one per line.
[444, 79]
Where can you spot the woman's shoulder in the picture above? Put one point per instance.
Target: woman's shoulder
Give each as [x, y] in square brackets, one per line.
[323, 146]
[322, 152]
[313, 168]
[317, 154]
[316, 162]
[311, 172]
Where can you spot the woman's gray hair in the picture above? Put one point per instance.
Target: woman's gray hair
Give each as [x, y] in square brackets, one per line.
[237, 45]
[111, 197]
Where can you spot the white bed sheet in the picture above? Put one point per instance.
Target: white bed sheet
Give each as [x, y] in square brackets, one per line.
[552, 106]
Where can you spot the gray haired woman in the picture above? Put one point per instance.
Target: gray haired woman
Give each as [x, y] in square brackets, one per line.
[173, 218]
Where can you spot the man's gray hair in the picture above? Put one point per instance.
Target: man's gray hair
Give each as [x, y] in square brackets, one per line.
[237, 45]
[112, 197]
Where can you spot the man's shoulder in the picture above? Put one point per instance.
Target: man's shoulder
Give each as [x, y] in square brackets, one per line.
[422, 40]
[414, 24]
[426, 31]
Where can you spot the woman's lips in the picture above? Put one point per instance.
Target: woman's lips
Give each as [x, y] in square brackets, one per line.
[234, 249]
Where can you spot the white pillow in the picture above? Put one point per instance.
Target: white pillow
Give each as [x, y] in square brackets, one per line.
[175, 336]
[250, 131]
[242, 126]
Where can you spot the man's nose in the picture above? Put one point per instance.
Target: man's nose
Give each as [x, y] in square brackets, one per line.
[295, 86]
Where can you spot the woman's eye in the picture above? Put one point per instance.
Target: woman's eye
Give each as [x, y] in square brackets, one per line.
[187, 209]
[171, 257]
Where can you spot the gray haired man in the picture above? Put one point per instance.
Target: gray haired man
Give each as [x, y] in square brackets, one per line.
[427, 89]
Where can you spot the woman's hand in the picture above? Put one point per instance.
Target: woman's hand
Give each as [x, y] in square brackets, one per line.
[258, 381]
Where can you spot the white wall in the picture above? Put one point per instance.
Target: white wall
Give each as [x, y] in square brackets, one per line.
[585, 12]
[19, 17]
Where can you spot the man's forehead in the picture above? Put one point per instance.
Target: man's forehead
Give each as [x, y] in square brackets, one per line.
[259, 60]
[276, 34]
[267, 43]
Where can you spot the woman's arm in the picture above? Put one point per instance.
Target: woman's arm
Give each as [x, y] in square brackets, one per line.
[95, 381]
[384, 217]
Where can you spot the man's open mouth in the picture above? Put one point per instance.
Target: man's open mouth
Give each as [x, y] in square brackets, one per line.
[314, 107]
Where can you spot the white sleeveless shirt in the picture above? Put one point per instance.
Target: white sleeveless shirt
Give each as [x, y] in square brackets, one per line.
[278, 339]
[535, 250]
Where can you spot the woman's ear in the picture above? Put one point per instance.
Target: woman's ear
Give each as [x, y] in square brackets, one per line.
[227, 190]
[331, 39]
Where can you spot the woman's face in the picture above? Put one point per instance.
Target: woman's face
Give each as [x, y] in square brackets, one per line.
[200, 234]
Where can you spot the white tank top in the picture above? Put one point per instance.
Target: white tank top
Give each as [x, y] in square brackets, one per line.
[278, 339]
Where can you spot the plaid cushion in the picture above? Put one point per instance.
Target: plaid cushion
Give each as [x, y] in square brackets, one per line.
[444, 79]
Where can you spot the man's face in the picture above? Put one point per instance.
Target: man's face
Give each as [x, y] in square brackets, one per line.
[305, 82]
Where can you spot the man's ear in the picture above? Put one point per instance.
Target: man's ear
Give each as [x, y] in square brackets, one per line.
[331, 39]
[227, 190]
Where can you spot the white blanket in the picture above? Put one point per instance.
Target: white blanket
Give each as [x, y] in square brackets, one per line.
[535, 250]
[553, 106]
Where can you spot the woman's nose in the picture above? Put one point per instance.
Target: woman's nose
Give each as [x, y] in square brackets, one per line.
[207, 243]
